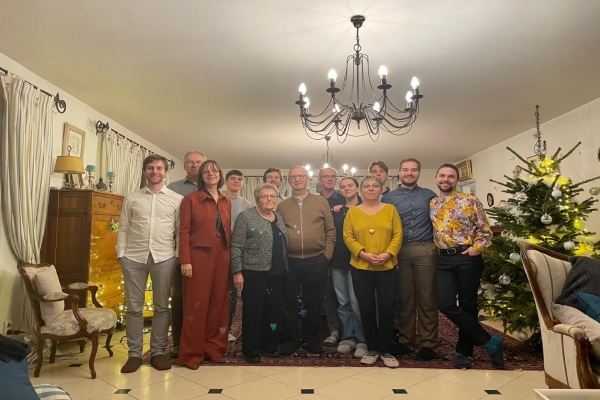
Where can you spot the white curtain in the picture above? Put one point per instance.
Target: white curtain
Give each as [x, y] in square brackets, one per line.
[247, 191]
[26, 132]
[125, 159]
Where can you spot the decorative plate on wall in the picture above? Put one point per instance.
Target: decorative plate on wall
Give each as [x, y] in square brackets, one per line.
[490, 199]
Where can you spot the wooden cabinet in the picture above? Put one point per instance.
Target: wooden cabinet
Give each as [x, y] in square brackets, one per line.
[80, 240]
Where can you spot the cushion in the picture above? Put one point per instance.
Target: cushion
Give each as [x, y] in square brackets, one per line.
[15, 381]
[590, 305]
[65, 324]
[51, 392]
[47, 282]
[572, 316]
[583, 277]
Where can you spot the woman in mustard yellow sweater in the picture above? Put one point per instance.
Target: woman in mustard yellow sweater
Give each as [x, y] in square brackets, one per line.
[373, 234]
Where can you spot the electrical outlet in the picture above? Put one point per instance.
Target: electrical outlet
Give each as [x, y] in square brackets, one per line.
[8, 324]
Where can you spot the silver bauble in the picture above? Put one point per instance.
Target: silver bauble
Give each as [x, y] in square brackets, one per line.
[504, 279]
[522, 336]
[556, 193]
[546, 219]
[480, 290]
[514, 257]
[569, 245]
[595, 190]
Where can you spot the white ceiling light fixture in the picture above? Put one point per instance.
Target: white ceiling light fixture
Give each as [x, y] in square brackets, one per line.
[380, 114]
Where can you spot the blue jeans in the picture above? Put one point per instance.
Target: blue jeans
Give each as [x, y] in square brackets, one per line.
[348, 311]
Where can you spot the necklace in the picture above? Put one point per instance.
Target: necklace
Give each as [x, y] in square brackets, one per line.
[372, 229]
[269, 217]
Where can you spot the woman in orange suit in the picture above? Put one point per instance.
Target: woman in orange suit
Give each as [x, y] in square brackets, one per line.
[204, 240]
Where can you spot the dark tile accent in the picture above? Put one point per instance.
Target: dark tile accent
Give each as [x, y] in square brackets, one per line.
[492, 391]
[75, 365]
[215, 391]
[399, 391]
[122, 391]
[307, 391]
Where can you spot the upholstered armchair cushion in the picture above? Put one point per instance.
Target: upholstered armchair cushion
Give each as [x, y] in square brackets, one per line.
[590, 305]
[575, 318]
[550, 274]
[46, 283]
[65, 323]
[583, 277]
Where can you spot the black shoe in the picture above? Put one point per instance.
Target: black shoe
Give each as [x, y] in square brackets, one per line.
[459, 361]
[313, 346]
[426, 354]
[289, 348]
[399, 349]
[497, 355]
[174, 352]
[271, 354]
[251, 360]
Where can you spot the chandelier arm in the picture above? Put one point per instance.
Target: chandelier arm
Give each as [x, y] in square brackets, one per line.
[373, 132]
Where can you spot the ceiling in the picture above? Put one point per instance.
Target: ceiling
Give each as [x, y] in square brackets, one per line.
[222, 76]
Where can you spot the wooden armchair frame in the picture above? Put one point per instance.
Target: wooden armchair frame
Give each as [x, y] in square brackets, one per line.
[68, 296]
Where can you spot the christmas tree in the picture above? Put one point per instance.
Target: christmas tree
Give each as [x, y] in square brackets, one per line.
[543, 209]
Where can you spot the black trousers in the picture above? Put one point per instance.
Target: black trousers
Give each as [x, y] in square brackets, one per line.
[176, 306]
[309, 277]
[460, 274]
[262, 313]
[383, 285]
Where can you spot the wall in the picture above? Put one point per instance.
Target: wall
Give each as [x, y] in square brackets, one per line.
[83, 117]
[581, 124]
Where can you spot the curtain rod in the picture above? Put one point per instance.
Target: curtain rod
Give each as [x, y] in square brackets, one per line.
[61, 105]
[171, 162]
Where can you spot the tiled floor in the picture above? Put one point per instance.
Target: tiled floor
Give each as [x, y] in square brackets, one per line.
[245, 383]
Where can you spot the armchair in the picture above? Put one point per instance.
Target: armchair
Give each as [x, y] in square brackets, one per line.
[567, 362]
[71, 324]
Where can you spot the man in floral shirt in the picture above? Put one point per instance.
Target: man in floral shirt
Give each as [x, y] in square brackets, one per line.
[461, 233]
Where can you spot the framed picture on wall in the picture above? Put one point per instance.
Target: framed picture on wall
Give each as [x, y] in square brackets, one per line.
[75, 138]
[464, 171]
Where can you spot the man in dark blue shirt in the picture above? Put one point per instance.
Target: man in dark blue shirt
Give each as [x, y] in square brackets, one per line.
[417, 263]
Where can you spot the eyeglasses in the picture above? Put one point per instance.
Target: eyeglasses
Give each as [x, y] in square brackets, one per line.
[268, 197]
[296, 177]
[210, 171]
[329, 176]
[373, 186]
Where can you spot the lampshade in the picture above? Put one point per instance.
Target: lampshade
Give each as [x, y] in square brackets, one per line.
[69, 165]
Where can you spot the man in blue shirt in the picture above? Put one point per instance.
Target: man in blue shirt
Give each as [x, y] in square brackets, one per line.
[417, 263]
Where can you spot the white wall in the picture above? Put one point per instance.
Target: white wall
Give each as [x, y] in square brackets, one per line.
[581, 124]
[83, 117]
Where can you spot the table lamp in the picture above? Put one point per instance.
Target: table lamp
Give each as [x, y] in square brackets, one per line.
[70, 165]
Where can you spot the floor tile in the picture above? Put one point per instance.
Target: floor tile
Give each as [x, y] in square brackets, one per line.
[347, 371]
[391, 378]
[535, 376]
[88, 389]
[144, 376]
[264, 389]
[115, 397]
[426, 371]
[403, 397]
[173, 389]
[308, 397]
[353, 389]
[59, 376]
[181, 370]
[439, 389]
[223, 377]
[268, 371]
[307, 377]
[522, 389]
[499, 397]
[476, 378]
[516, 374]
[107, 365]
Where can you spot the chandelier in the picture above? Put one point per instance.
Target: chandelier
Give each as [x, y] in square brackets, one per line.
[336, 118]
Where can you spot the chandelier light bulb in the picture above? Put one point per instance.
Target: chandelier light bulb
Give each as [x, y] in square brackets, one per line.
[310, 173]
[307, 167]
[345, 167]
[325, 165]
[302, 89]
[376, 107]
[409, 96]
[332, 75]
[353, 170]
[383, 72]
[336, 108]
[306, 102]
[414, 83]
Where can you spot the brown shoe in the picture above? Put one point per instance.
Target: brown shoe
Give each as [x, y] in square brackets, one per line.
[160, 362]
[132, 365]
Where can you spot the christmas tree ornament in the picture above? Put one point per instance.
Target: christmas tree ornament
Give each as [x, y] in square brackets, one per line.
[520, 197]
[569, 245]
[522, 336]
[504, 279]
[556, 193]
[579, 224]
[595, 190]
[504, 234]
[514, 257]
[479, 291]
[546, 219]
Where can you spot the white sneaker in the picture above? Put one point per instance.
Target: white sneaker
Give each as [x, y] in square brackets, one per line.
[231, 338]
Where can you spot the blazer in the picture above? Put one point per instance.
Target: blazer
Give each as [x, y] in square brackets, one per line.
[252, 242]
[198, 221]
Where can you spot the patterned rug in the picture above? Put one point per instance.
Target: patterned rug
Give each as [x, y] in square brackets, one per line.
[517, 355]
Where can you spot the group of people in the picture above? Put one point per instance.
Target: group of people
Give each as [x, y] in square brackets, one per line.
[376, 257]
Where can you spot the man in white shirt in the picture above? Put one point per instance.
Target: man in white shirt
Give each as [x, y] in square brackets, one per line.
[147, 244]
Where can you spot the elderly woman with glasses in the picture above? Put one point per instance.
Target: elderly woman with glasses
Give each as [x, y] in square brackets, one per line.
[204, 240]
[258, 265]
[373, 234]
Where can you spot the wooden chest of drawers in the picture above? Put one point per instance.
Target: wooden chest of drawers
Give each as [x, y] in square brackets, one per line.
[80, 240]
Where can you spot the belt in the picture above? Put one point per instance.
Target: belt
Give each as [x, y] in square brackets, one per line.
[453, 250]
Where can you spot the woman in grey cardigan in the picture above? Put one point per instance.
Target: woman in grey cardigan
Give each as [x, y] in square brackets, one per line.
[258, 265]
